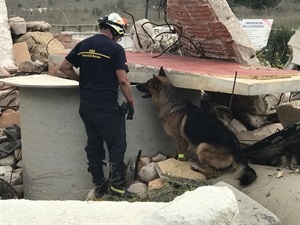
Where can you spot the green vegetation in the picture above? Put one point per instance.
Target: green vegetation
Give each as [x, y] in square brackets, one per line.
[254, 4]
[277, 52]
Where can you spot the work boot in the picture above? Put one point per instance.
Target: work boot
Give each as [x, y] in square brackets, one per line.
[99, 181]
[118, 187]
[100, 188]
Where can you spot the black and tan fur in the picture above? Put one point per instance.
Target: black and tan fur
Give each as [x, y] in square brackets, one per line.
[196, 131]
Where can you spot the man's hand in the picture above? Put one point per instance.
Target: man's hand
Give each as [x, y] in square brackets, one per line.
[130, 111]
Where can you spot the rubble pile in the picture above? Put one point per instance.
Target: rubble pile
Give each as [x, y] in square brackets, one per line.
[11, 172]
[32, 44]
[253, 119]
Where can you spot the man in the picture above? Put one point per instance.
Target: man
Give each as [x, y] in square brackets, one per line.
[102, 70]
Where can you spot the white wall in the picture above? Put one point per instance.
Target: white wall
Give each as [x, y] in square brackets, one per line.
[6, 44]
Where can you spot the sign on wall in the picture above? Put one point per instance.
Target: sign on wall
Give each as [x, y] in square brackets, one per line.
[258, 31]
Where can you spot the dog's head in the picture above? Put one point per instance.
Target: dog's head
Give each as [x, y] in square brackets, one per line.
[152, 84]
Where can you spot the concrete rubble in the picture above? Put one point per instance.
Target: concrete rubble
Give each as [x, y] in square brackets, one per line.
[30, 52]
[293, 43]
[213, 28]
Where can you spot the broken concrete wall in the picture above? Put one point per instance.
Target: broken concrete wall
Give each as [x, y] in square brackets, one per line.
[294, 44]
[41, 44]
[210, 29]
[6, 44]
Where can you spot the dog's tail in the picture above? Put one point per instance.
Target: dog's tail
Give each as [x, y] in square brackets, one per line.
[247, 175]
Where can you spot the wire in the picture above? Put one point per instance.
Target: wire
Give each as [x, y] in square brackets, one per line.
[134, 25]
[232, 93]
[200, 51]
[55, 36]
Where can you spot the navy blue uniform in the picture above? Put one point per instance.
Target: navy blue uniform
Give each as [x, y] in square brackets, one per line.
[98, 57]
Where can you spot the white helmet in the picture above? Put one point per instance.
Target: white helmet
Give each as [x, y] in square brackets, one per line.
[115, 21]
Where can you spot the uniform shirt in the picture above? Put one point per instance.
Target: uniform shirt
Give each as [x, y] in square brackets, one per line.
[98, 57]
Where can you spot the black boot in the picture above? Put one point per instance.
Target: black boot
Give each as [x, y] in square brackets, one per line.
[100, 182]
[118, 186]
[101, 188]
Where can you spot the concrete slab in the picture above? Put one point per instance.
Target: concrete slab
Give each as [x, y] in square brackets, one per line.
[205, 206]
[213, 75]
[204, 74]
[40, 81]
[279, 195]
[251, 212]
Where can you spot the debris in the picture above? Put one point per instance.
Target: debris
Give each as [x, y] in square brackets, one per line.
[280, 174]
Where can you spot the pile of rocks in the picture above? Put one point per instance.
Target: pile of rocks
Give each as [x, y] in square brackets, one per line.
[159, 178]
[32, 44]
[11, 171]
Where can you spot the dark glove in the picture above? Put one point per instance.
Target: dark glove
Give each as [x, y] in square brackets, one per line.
[130, 111]
[123, 108]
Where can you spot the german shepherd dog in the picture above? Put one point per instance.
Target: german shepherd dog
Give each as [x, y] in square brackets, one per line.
[197, 132]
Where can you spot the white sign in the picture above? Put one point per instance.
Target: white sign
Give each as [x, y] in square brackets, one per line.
[258, 31]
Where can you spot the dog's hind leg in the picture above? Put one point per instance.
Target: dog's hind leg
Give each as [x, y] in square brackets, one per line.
[213, 159]
[209, 172]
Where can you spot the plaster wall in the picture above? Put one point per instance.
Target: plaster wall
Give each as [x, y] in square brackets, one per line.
[53, 140]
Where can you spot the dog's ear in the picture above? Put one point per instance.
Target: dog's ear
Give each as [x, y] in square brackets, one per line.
[155, 81]
[162, 72]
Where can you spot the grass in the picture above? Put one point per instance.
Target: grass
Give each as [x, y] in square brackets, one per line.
[87, 11]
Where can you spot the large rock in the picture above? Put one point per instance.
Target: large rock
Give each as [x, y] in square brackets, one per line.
[17, 25]
[211, 29]
[177, 171]
[38, 26]
[289, 113]
[41, 44]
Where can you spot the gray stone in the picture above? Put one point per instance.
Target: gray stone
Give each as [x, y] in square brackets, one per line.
[250, 137]
[140, 189]
[37, 26]
[13, 178]
[289, 113]
[20, 164]
[5, 169]
[148, 172]
[8, 161]
[18, 154]
[31, 67]
[17, 25]
[159, 157]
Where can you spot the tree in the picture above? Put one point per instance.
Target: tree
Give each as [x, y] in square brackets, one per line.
[254, 4]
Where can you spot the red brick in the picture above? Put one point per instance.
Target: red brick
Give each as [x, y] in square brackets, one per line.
[200, 23]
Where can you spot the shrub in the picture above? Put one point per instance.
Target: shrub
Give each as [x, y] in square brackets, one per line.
[277, 52]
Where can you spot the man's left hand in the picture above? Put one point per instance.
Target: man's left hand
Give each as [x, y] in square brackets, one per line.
[130, 111]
